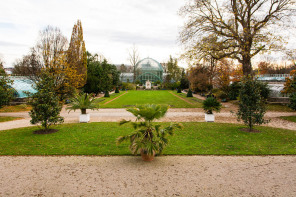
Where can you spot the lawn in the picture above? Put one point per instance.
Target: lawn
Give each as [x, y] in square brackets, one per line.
[132, 98]
[279, 108]
[8, 118]
[289, 118]
[15, 108]
[272, 107]
[194, 139]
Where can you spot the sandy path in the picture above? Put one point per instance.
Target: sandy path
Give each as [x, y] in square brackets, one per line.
[166, 176]
[173, 115]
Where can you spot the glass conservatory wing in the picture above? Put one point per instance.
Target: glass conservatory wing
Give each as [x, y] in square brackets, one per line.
[149, 64]
[22, 85]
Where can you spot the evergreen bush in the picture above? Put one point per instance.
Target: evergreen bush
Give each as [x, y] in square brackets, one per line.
[6, 91]
[189, 93]
[116, 90]
[264, 90]
[292, 104]
[234, 90]
[106, 94]
[251, 104]
[179, 90]
[45, 103]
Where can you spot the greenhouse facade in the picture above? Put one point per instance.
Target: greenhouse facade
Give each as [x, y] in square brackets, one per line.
[146, 69]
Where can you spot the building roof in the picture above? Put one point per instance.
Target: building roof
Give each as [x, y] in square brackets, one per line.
[149, 64]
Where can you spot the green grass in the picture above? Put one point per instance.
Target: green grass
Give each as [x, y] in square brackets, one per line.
[132, 98]
[15, 108]
[194, 139]
[279, 108]
[272, 107]
[8, 118]
[289, 118]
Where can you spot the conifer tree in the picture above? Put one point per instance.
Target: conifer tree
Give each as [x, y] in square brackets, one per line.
[76, 54]
[45, 103]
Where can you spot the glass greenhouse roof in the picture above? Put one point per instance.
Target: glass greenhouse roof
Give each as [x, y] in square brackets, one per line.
[149, 64]
[22, 85]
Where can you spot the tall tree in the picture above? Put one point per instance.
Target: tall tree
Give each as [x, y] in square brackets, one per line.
[133, 59]
[101, 76]
[52, 50]
[199, 78]
[6, 91]
[184, 82]
[242, 25]
[29, 65]
[76, 54]
[222, 80]
[2, 71]
[173, 70]
[51, 46]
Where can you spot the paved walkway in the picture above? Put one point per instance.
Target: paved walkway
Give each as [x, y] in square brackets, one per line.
[180, 115]
[166, 176]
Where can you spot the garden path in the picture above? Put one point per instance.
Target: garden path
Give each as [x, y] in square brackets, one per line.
[173, 115]
[165, 176]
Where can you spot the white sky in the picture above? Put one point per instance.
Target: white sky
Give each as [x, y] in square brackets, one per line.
[110, 27]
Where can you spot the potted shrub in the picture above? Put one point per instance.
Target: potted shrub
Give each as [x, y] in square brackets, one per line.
[148, 139]
[209, 105]
[83, 102]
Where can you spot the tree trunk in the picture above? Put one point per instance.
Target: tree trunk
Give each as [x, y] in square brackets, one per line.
[83, 111]
[247, 66]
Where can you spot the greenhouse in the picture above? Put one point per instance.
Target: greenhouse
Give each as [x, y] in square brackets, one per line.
[149, 69]
[21, 85]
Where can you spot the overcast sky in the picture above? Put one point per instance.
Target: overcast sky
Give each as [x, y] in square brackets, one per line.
[110, 27]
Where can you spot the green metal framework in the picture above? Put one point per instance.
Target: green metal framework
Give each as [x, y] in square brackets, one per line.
[149, 69]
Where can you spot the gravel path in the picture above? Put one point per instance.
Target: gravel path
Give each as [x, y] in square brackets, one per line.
[173, 115]
[165, 176]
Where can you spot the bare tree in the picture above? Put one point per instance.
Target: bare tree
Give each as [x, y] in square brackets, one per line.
[29, 65]
[51, 45]
[133, 59]
[242, 26]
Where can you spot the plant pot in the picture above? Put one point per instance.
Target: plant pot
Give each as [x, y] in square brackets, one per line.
[209, 117]
[146, 157]
[84, 118]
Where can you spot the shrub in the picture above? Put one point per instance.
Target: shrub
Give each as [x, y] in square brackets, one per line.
[6, 91]
[45, 103]
[23, 106]
[234, 90]
[179, 90]
[189, 93]
[251, 104]
[128, 86]
[116, 90]
[292, 104]
[264, 90]
[106, 94]
[211, 104]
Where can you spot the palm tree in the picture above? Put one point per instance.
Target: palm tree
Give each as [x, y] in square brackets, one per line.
[148, 138]
[83, 102]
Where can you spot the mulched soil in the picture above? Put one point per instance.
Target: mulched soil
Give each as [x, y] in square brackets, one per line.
[250, 131]
[43, 131]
